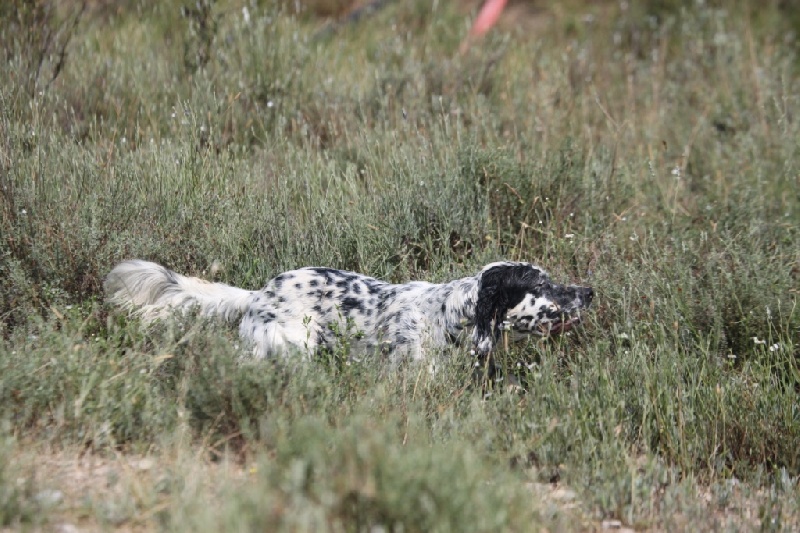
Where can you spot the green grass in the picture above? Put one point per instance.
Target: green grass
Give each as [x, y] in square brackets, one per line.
[651, 152]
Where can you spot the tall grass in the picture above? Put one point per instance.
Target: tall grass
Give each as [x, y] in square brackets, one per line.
[651, 152]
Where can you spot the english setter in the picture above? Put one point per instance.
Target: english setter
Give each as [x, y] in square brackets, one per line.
[310, 308]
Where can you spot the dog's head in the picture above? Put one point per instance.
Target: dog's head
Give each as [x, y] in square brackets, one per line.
[521, 298]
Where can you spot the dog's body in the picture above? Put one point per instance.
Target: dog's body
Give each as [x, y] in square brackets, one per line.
[310, 308]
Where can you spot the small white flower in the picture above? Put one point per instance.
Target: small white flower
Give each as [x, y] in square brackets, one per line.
[775, 347]
[756, 340]
[569, 236]
[246, 15]
[270, 103]
[123, 140]
[23, 212]
[731, 356]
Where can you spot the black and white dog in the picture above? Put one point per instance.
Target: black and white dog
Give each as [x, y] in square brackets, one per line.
[310, 308]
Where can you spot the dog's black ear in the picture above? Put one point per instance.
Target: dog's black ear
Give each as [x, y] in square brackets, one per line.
[501, 288]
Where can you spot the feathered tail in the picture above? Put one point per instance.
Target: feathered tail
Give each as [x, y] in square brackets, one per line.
[152, 292]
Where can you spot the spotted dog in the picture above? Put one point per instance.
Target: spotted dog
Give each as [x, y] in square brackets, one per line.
[307, 309]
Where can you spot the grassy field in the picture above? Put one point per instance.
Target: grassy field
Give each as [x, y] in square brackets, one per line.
[650, 149]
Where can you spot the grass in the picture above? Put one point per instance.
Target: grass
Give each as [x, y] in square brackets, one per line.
[650, 152]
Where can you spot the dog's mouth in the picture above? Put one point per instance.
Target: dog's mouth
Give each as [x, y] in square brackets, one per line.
[557, 326]
[564, 325]
[561, 324]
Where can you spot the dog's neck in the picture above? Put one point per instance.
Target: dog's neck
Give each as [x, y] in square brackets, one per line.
[459, 305]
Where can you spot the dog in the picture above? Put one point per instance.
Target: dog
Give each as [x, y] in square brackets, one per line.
[305, 310]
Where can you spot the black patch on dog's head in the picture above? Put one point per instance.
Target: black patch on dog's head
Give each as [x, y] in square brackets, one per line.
[501, 288]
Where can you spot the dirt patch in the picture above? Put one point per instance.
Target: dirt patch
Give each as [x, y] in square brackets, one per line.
[86, 492]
